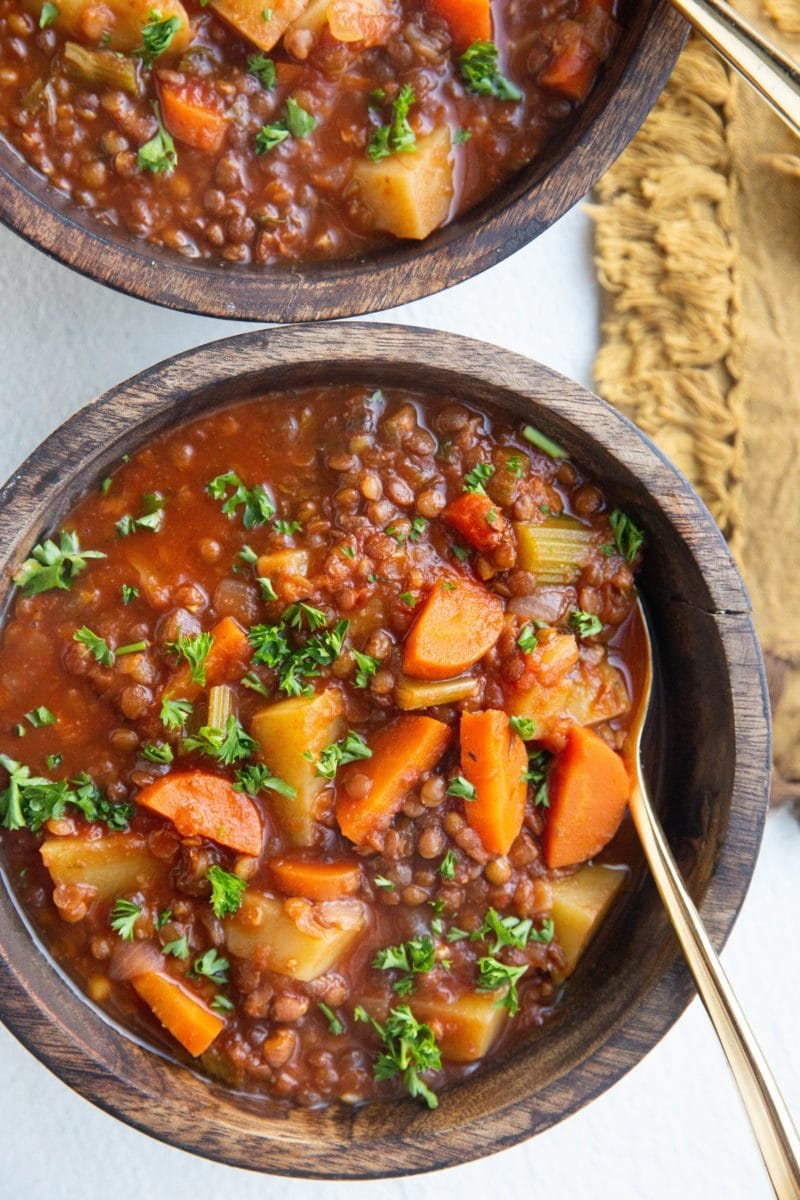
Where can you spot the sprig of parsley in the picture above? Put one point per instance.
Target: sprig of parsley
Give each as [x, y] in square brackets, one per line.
[481, 74]
[524, 726]
[255, 502]
[159, 154]
[212, 965]
[53, 565]
[585, 624]
[227, 891]
[30, 800]
[462, 788]
[397, 137]
[194, 649]
[151, 516]
[350, 748]
[627, 536]
[256, 777]
[493, 974]
[366, 666]
[156, 36]
[414, 957]
[175, 713]
[226, 745]
[263, 69]
[409, 1048]
[296, 122]
[98, 647]
[477, 477]
[123, 918]
[536, 776]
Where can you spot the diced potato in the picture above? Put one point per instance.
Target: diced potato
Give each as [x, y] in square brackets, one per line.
[469, 1024]
[409, 195]
[283, 562]
[579, 904]
[588, 695]
[115, 865]
[313, 20]
[555, 550]
[419, 693]
[287, 732]
[118, 23]
[294, 937]
[247, 16]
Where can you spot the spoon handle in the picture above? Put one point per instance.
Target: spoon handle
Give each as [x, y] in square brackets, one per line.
[772, 1125]
[769, 71]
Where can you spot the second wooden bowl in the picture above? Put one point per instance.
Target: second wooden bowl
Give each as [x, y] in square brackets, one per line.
[709, 766]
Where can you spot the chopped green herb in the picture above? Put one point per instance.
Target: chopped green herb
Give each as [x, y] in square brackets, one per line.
[447, 867]
[351, 748]
[536, 775]
[152, 516]
[270, 136]
[398, 535]
[157, 36]
[255, 501]
[398, 137]
[334, 1024]
[226, 891]
[460, 553]
[54, 761]
[481, 74]
[586, 624]
[19, 730]
[123, 918]
[366, 668]
[462, 788]
[96, 645]
[527, 640]
[179, 948]
[409, 1048]
[131, 648]
[226, 746]
[38, 717]
[266, 14]
[287, 528]
[48, 15]
[348, 551]
[175, 713]
[543, 443]
[460, 136]
[270, 645]
[493, 974]
[454, 934]
[418, 527]
[263, 69]
[628, 537]
[256, 777]
[248, 555]
[162, 918]
[221, 1003]
[607, 549]
[53, 565]
[194, 649]
[129, 594]
[414, 957]
[267, 590]
[382, 882]
[159, 154]
[158, 752]
[524, 726]
[251, 680]
[295, 614]
[299, 122]
[408, 599]
[477, 477]
[514, 465]
[212, 965]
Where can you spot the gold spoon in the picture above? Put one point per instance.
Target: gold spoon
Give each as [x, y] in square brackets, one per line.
[769, 1117]
[769, 71]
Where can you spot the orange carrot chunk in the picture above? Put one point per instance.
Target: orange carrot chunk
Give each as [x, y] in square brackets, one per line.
[192, 114]
[494, 761]
[477, 520]
[297, 875]
[572, 70]
[370, 792]
[227, 659]
[181, 1012]
[205, 805]
[469, 20]
[459, 622]
[588, 789]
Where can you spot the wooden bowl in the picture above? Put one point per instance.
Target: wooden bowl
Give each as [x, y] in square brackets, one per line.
[710, 748]
[518, 212]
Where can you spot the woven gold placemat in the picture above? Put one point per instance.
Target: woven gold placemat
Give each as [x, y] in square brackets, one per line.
[697, 238]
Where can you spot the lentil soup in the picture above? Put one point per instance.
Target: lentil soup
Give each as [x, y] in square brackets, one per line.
[310, 720]
[298, 132]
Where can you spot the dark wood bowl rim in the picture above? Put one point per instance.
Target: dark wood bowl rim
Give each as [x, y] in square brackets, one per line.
[63, 1031]
[523, 209]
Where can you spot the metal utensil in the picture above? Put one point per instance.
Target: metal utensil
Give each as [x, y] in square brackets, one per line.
[769, 1117]
[769, 71]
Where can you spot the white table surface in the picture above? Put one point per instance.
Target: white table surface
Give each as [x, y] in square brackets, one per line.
[672, 1127]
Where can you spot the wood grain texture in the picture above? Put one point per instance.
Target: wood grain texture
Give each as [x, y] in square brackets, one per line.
[708, 743]
[652, 37]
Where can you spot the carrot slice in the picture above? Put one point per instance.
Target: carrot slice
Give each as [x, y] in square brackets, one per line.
[494, 760]
[459, 622]
[184, 1015]
[296, 875]
[199, 803]
[477, 520]
[469, 20]
[227, 659]
[572, 71]
[370, 792]
[589, 791]
[192, 114]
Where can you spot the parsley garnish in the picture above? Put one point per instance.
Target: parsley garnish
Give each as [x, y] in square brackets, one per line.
[152, 516]
[129, 594]
[481, 75]
[193, 648]
[267, 590]
[447, 867]
[287, 528]
[413, 957]
[256, 777]
[175, 713]
[476, 478]
[48, 15]
[460, 136]
[53, 565]
[263, 69]
[493, 974]
[334, 1024]
[272, 648]
[96, 645]
[409, 599]
[462, 788]
[251, 680]
[397, 137]
[156, 36]
[179, 948]
[527, 640]
[383, 883]
[258, 507]
[270, 644]
[366, 668]
[159, 154]
[524, 726]
[226, 891]
[586, 624]
[296, 613]
[212, 965]
[123, 918]
[459, 552]
[514, 465]
[158, 753]
[409, 1047]
[628, 537]
[162, 918]
[270, 136]
[536, 775]
[53, 761]
[221, 1002]
[41, 716]
[348, 749]
[296, 122]
[226, 746]
[418, 527]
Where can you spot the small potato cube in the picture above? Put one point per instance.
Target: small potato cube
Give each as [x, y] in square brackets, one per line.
[283, 562]
[579, 904]
[469, 1024]
[114, 865]
[588, 695]
[247, 16]
[294, 937]
[409, 195]
[118, 23]
[287, 733]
